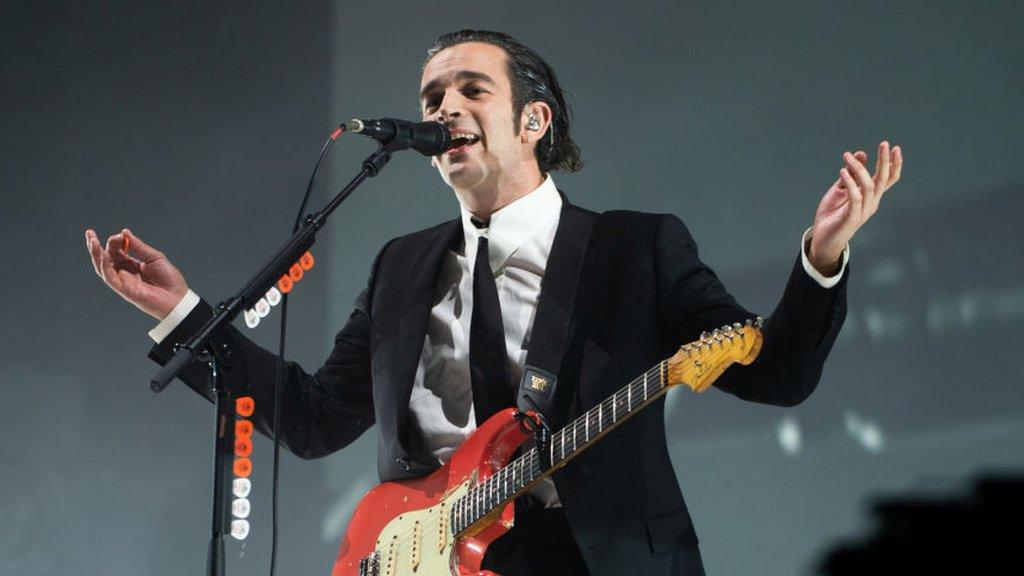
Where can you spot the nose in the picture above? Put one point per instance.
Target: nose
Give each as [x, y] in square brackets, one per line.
[449, 108]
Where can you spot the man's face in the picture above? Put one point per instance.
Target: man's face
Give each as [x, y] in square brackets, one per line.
[467, 87]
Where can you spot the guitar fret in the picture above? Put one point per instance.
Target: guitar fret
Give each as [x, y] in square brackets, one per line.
[645, 386]
[629, 398]
[586, 432]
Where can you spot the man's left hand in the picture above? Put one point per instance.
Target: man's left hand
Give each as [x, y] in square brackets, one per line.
[849, 203]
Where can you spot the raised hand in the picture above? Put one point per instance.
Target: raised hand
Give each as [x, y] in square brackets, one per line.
[138, 272]
[851, 200]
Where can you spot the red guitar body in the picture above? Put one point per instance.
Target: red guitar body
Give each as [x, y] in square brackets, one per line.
[406, 525]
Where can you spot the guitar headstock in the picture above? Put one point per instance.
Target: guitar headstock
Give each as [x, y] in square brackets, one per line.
[701, 362]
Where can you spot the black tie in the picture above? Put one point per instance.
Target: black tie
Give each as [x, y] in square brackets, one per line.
[487, 359]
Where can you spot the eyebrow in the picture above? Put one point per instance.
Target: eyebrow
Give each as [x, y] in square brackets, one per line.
[461, 75]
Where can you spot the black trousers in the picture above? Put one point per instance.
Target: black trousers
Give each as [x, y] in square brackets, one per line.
[540, 544]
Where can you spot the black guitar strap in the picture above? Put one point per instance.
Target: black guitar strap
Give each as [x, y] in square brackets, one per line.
[553, 322]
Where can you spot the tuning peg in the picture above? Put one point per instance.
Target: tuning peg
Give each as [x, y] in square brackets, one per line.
[759, 322]
[704, 336]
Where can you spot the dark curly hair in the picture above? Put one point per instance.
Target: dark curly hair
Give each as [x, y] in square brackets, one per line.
[533, 80]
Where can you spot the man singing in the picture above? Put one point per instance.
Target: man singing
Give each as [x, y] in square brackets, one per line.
[451, 315]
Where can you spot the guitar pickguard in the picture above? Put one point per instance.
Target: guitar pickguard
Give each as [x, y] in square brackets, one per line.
[418, 542]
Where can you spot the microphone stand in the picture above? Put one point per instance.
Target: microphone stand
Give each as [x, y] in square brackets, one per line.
[198, 347]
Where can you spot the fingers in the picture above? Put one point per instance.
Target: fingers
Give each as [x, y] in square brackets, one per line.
[144, 251]
[881, 177]
[897, 165]
[116, 249]
[864, 182]
[92, 244]
[856, 198]
[882, 165]
[102, 262]
[857, 169]
[836, 197]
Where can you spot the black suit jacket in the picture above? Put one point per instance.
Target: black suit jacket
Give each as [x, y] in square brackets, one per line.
[622, 290]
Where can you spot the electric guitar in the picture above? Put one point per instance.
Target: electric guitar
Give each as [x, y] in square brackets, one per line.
[442, 523]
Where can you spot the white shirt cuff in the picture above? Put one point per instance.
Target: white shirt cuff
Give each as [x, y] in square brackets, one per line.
[824, 281]
[171, 321]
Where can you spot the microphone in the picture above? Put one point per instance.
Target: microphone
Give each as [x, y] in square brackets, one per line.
[427, 138]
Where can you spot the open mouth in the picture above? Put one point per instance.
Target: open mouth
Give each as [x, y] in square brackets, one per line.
[461, 141]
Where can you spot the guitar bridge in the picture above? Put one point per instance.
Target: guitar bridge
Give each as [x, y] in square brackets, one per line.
[370, 566]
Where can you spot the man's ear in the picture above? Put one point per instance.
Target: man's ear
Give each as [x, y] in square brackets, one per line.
[535, 128]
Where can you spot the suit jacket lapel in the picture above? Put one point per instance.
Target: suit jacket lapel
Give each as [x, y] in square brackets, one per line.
[553, 322]
[424, 259]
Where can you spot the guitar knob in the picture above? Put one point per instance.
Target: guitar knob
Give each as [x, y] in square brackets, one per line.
[403, 463]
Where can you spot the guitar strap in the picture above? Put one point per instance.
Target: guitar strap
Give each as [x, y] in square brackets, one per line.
[553, 322]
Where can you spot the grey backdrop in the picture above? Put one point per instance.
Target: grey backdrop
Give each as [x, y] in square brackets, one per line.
[197, 127]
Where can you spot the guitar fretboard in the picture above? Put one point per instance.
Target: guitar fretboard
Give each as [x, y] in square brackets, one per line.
[517, 476]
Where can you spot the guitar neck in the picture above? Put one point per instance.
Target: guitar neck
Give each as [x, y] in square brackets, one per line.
[519, 475]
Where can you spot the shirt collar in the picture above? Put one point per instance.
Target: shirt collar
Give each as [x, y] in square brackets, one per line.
[514, 224]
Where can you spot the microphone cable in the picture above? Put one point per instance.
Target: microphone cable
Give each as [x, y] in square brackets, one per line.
[279, 373]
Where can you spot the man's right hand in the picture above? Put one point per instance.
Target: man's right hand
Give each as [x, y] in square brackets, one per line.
[138, 272]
